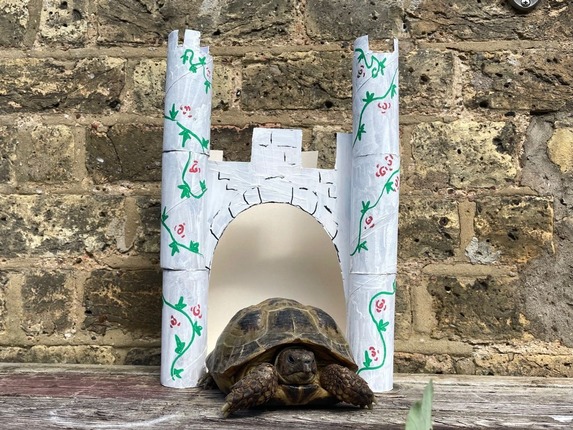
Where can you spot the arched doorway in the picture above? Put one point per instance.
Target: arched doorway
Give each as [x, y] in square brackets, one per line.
[273, 250]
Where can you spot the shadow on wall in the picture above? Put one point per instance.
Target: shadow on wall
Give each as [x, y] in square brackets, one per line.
[273, 250]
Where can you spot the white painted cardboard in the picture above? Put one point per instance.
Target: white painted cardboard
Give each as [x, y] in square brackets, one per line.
[356, 203]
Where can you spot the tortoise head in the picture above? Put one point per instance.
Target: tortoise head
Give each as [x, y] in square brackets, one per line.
[296, 366]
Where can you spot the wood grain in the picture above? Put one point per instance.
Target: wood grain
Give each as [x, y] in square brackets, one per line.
[126, 397]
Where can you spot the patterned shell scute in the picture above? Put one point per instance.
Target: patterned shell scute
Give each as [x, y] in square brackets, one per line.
[259, 330]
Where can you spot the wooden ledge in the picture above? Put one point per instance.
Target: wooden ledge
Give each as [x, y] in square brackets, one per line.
[131, 397]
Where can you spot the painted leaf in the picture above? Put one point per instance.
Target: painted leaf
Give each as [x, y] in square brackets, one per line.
[367, 360]
[393, 90]
[383, 325]
[363, 246]
[180, 305]
[420, 414]
[193, 68]
[207, 86]
[361, 131]
[197, 328]
[180, 345]
[164, 215]
[174, 248]
[204, 143]
[173, 113]
[203, 186]
[185, 57]
[365, 207]
[185, 191]
[194, 247]
[177, 373]
[185, 133]
[202, 61]
[369, 97]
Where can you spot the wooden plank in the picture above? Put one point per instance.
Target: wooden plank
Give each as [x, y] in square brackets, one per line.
[125, 397]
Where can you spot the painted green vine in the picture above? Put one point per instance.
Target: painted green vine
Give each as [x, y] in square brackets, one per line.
[181, 346]
[373, 358]
[376, 66]
[176, 245]
[188, 57]
[186, 133]
[368, 100]
[391, 185]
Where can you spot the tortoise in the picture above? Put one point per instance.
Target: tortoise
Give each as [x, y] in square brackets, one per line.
[285, 353]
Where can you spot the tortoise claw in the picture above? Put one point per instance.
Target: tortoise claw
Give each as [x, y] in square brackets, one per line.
[347, 386]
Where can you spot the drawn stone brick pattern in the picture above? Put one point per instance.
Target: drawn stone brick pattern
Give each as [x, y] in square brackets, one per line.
[486, 204]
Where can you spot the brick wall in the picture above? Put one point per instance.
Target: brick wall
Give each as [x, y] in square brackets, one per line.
[486, 223]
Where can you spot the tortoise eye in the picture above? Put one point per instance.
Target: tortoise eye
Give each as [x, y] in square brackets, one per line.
[290, 359]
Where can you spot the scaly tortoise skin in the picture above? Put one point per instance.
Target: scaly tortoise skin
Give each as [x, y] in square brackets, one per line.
[283, 352]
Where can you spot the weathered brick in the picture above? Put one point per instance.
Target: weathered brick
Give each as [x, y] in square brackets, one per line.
[444, 20]
[3, 311]
[125, 152]
[148, 86]
[64, 22]
[518, 364]
[125, 300]
[427, 82]
[539, 80]
[420, 363]
[84, 354]
[464, 154]
[520, 227]
[130, 21]
[47, 300]
[324, 141]
[428, 228]
[36, 85]
[46, 154]
[313, 80]
[233, 141]
[560, 148]
[348, 19]
[226, 83]
[14, 20]
[147, 238]
[403, 317]
[7, 154]
[476, 308]
[49, 225]
[143, 357]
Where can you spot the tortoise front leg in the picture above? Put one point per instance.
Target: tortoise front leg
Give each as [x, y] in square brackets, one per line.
[346, 386]
[255, 388]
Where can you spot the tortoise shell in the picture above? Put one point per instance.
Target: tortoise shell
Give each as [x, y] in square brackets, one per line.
[256, 334]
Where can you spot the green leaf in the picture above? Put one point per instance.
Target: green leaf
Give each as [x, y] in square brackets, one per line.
[207, 86]
[174, 248]
[203, 186]
[194, 247]
[367, 360]
[164, 215]
[388, 187]
[186, 133]
[361, 55]
[202, 60]
[177, 373]
[383, 325]
[185, 57]
[193, 68]
[204, 143]
[420, 414]
[363, 246]
[393, 90]
[185, 191]
[365, 207]
[172, 113]
[369, 97]
[180, 345]
[180, 304]
[197, 328]
[361, 131]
